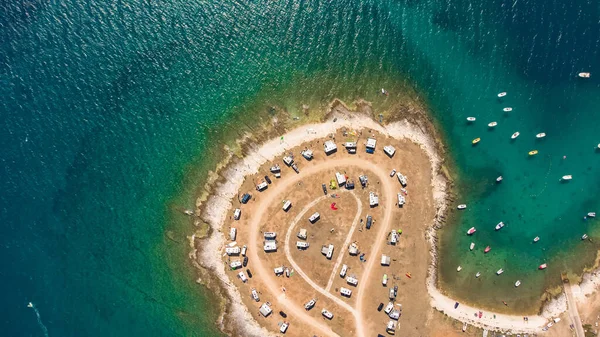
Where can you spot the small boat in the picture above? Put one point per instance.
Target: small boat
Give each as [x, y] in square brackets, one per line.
[459, 268]
[533, 152]
[456, 305]
[471, 231]
[507, 109]
[536, 239]
[30, 305]
[599, 145]
[472, 246]
[499, 179]
[480, 314]
[476, 140]
[188, 212]
[384, 92]
[500, 271]
[592, 214]
[515, 135]
[584, 236]
[502, 94]
[471, 119]
[464, 327]
[408, 275]
[584, 75]
[567, 177]
[499, 225]
[487, 249]
[505, 303]
[492, 124]
[543, 266]
[540, 135]
[477, 275]
[462, 206]
[518, 283]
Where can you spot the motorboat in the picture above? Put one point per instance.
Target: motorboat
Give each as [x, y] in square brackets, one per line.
[471, 119]
[499, 179]
[384, 92]
[502, 94]
[487, 249]
[543, 266]
[471, 231]
[464, 327]
[533, 152]
[515, 135]
[499, 225]
[518, 283]
[584, 75]
[540, 135]
[584, 236]
[477, 275]
[476, 140]
[567, 177]
[500, 271]
[462, 206]
[507, 109]
[459, 268]
[492, 124]
[472, 246]
[592, 214]
[536, 239]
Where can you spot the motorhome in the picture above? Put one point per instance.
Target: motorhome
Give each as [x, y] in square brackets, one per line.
[344, 270]
[385, 260]
[242, 276]
[232, 251]
[278, 271]
[341, 179]
[330, 147]
[265, 309]
[345, 292]
[255, 295]
[352, 280]
[371, 142]
[302, 245]
[307, 154]
[270, 235]
[262, 186]
[389, 150]
[232, 234]
[235, 264]
[313, 218]
[237, 213]
[270, 246]
[373, 199]
[302, 234]
[287, 205]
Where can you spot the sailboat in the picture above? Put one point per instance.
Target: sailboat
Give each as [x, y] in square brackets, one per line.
[507, 109]
[584, 75]
[515, 135]
[502, 94]
[540, 135]
[492, 124]
[476, 140]
[533, 152]
[471, 119]
[567, 177]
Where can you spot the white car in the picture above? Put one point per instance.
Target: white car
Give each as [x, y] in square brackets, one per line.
[389, 308]
[393, 173]
[310, 304]
[255, 295]
[326, 314]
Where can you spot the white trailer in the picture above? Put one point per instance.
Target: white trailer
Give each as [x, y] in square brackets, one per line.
[307, 154]
[288, 160]
[391, 327]
[262, 186]
[345, 292]
[402, 179]
[270, 246]
[373, 199]
[232, 251]
[329, 147]
[350, 145]
[287, 205]
[371, 142]
[343, 271]
[232, 234]
[302, 245]
[237, 213]
[302, 234]
[393, 237]
[401, 200]
[278, 271]
[385, 260]
[242, 276]
[270, 235]
[284, 326]
[395, 314]
[353, 249]
[235, 265]
[255, 295]
[265, 309]
[388, 308]
[389, 150]
[341, 179]
[352, 281]
[329, 252]
[313, 218]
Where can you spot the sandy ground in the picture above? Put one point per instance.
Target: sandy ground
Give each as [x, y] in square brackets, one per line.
[413, 254]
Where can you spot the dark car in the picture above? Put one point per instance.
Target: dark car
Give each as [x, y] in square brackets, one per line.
[369, 221]
[380, 307]
[395, 290]
[245, 262]
[267, 179]
[324, 189]
[249, 273]
[245, 198]
[283, 314]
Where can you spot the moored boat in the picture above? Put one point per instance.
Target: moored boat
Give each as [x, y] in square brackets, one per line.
[499, 179]
[499, 225]
[584, 236]
[459, 268]
[476, 140]
[515, 135]
[592, 214]
[507, 109]
[540, 135]
[584, 75]
[533, 152]
[472, 246]
[567, 177]
[502, 94]
[462, 206]
[477, 275]
[471, 119]
[471, 231]
[543, 266]
[518, 283]
[464, 327]
[492, 124]
[500, 271]
[487, 249]
[536, 239]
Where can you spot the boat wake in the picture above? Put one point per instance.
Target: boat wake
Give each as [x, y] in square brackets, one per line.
[39, 319]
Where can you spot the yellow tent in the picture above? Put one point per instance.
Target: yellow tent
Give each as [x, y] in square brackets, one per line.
[333, 184]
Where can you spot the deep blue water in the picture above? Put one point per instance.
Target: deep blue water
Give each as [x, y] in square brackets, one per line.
[113, 112]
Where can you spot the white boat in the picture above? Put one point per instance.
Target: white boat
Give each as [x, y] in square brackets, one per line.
[30, 305]
[567, 177]
[584, 75]
[592, 214]
[515, 135]
[502, 94]
[507, 109]
[500, 271]
[462, 206]
[471, 231]
[518, 283]
[599, 145]
[459, 268]
[471, 119]
[492, 124]
[464, 327]
[472, 246]
[536, 239]
[499, 179]
[540, 135]
[478, 274]
[499, 225]
[584, 236]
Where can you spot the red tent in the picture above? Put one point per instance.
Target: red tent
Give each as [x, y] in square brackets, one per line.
[333, 207]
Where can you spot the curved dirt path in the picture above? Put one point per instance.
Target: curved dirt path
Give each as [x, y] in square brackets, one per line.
[268, 277]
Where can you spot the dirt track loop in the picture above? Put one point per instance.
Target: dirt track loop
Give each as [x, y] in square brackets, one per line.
[270, 280]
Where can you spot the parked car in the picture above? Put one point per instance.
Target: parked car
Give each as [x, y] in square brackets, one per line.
[324, 188]
[369, 221]
[267, 179]
[393, 173]
[395, 290]
[245, 262]
[283, 314]
[249, 273]
[380, 307]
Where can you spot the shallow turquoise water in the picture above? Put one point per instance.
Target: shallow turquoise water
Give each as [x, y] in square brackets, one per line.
[112, 112]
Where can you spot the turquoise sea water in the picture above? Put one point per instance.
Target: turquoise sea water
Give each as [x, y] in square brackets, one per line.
[112, 112]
